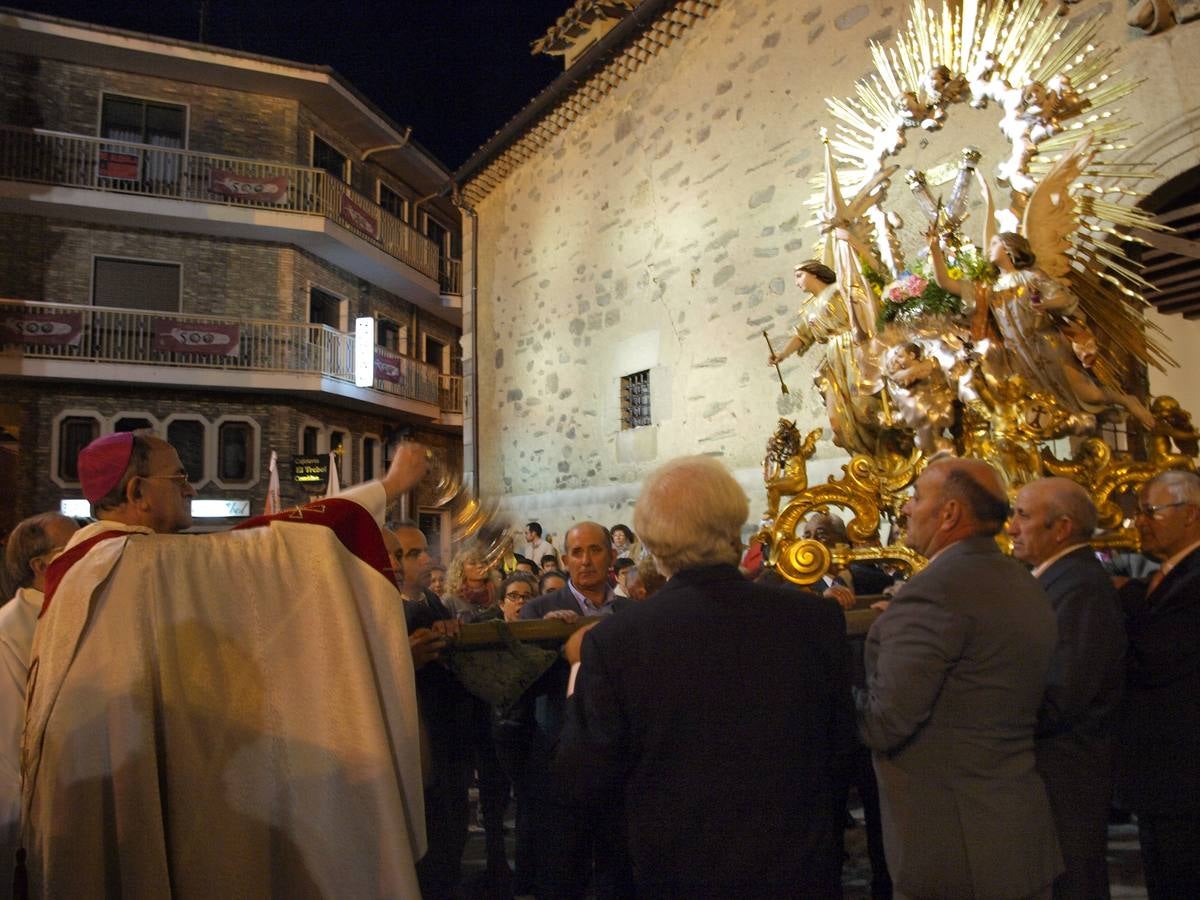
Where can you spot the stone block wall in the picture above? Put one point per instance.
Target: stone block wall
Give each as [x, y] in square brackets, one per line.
[658, 233]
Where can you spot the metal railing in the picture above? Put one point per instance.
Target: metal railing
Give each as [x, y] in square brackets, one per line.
[133, 336]
[102, 164]
[450, 393]
[451, 276]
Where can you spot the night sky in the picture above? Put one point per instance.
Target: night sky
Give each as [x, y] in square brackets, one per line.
[455, 70]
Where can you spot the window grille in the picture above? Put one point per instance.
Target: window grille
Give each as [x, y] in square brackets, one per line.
[635, 400]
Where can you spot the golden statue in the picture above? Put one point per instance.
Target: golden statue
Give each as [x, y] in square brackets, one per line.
[995, 351]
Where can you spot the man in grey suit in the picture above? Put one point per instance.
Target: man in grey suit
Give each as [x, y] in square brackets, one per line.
[1051, 524]
[956, 668]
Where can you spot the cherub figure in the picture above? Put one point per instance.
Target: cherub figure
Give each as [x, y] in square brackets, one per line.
[1172, 423]
[921, 399]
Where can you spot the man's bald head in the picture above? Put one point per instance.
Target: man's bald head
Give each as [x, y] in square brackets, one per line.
[980, 490]
[954, 499]
[1051, 514]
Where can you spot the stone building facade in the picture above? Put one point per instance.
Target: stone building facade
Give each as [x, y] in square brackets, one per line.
[102, 224]
[646, 225]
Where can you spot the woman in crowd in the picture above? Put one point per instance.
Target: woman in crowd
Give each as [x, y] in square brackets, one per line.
[471, 585]
[623, 540]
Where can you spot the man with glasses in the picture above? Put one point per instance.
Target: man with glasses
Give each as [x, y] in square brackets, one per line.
[1052, 521]
[242, 702]
[1158, 744]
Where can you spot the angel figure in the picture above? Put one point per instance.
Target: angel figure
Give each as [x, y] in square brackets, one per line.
[846, 387]
[921, 399]
[1045, 334]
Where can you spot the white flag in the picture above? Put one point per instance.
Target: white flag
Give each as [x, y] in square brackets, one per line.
[333, 488]
[273, 505]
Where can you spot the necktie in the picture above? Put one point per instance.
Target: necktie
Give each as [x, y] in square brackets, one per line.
[1156, 579]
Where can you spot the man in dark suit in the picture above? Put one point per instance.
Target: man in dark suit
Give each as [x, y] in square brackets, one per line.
[572, 845]
[718, 710]
[1158, 742]
[1051, 523]
[956, 669]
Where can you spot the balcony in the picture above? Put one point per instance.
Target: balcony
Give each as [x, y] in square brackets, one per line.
[148, 186]
[67, 341]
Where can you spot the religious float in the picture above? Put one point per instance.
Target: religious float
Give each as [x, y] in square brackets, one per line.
[999, 316]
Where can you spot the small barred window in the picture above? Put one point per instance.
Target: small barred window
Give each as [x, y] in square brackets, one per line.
[635, 400]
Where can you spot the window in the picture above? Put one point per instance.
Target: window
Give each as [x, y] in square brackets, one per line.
[325, 157]
[635, 400]
[235, 450]
[337, 446]
[439, 234]
[324, 308]
[187, 437]
[133, 423]
[308, 440]
[391, 335]
[74, 433]
[393, 203]
[435, 352]
[370, 448]
[136, 284]
[142, 121]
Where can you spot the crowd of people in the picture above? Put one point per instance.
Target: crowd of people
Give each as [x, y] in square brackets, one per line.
[278, 710]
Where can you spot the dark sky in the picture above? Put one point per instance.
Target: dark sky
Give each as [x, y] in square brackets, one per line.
[455, 70]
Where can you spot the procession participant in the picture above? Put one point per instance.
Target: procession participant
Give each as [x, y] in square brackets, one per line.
[1158, 737]
[1052, 521]
[718, 713]
[956, 667]
[31, 546]
[241, 703]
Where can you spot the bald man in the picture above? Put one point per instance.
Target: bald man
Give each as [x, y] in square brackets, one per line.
[1052, 520]
[956, 669]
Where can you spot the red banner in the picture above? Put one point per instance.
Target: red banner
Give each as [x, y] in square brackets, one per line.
[188, 337]
[359, 217]
[46, 329]
[387, 369]
[124, 166]
[246, 187]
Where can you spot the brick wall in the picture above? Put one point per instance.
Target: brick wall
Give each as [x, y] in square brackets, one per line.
[61, 96]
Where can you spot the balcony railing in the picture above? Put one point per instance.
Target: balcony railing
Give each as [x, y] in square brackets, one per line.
[147, 170]
[72, 332]
[451, 276]
[450, 393]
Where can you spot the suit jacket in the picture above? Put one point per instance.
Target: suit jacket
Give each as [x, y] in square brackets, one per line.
[956, 668]
[1159, 732]
[719, 711]
[1087, 672]
[563, 599]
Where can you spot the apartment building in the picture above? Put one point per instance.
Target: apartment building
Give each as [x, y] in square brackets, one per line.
[206, 243]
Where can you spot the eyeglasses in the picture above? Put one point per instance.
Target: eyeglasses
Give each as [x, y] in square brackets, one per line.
[517, 595]
[1150, 511]
[180, 479]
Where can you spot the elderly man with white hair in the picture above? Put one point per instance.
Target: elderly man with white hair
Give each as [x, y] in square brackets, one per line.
[1158, 743]
[718, 710]
[1052, 521]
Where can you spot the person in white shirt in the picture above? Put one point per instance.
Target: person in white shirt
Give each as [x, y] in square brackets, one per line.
[535, 547]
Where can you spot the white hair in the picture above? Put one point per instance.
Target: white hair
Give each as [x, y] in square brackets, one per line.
[1183, 486]
[690, 514]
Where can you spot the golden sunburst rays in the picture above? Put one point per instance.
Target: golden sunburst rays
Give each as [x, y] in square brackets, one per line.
[1048, 80]
[988, 49]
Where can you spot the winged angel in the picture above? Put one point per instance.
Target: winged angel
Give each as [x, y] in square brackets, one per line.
[1045, 334]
